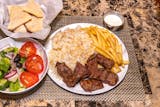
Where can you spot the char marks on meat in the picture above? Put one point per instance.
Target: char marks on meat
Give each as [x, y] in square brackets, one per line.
[91, 84]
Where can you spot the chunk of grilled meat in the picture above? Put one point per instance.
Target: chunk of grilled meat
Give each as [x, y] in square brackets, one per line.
[96, 59]
[81, 71]
[63, 70]
[92, 66]
[112, 79]
[66, 73]
[91, 84]
[69, 77]
[96, 75]
[105, 62]
[70, 80]
[103, 74]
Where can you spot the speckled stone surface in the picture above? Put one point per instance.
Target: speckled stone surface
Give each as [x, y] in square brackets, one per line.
[143, 17]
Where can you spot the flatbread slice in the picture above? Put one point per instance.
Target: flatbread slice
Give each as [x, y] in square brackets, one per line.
[21, 28]
[17, 17]
[33, 8]
[35, 25]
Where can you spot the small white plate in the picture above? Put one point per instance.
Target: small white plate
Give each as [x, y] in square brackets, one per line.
[77, 89]
[40, 51]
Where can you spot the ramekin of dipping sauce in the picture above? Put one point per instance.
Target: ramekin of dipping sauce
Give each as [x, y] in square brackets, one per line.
[113, 20]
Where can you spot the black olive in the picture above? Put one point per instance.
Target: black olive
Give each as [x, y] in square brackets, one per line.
[24, 69]
[17, 58]
[9, 67]
[19, 65]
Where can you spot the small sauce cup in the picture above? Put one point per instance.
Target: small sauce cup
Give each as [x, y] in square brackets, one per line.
[113, 20]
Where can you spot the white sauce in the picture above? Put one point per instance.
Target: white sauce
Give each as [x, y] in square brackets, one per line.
[113, 20]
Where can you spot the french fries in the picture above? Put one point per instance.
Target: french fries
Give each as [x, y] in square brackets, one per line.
[107, 44]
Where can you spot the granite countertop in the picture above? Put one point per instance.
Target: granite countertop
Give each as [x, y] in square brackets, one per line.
[143, 17]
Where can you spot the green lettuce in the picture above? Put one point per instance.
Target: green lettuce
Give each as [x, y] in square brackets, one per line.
[14, 86]
[4, 64]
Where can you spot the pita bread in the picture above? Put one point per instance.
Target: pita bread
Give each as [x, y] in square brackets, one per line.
[35, 25]
[21, 28]
[17, 17]
[11, 7]
[33, 8]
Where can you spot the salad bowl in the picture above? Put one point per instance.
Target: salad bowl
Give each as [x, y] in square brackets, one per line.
[23, 65]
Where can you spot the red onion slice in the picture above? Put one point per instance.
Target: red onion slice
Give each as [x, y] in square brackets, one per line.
[10, 55]
[10, 74]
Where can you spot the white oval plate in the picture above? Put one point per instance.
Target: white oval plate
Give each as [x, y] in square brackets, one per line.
[7, 42]
[77, 89]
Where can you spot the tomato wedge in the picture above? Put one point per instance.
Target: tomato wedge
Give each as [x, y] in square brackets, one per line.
[28, 79]
[27, 49]
[34, 64]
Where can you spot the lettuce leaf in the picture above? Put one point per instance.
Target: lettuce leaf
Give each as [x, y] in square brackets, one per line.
[4, 64]
[14, 86]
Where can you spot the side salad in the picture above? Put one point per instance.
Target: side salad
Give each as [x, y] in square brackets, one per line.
[20, 68]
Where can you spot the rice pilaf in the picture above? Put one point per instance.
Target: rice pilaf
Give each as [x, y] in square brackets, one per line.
[70, 46]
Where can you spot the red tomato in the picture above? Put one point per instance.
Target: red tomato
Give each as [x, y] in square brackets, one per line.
[27, 49]
[28, 79]
[34, 64]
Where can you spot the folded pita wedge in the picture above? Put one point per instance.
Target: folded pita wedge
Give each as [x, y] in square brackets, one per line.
[21, 28]
[17, 17]
[33, 8]
[35, 25]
